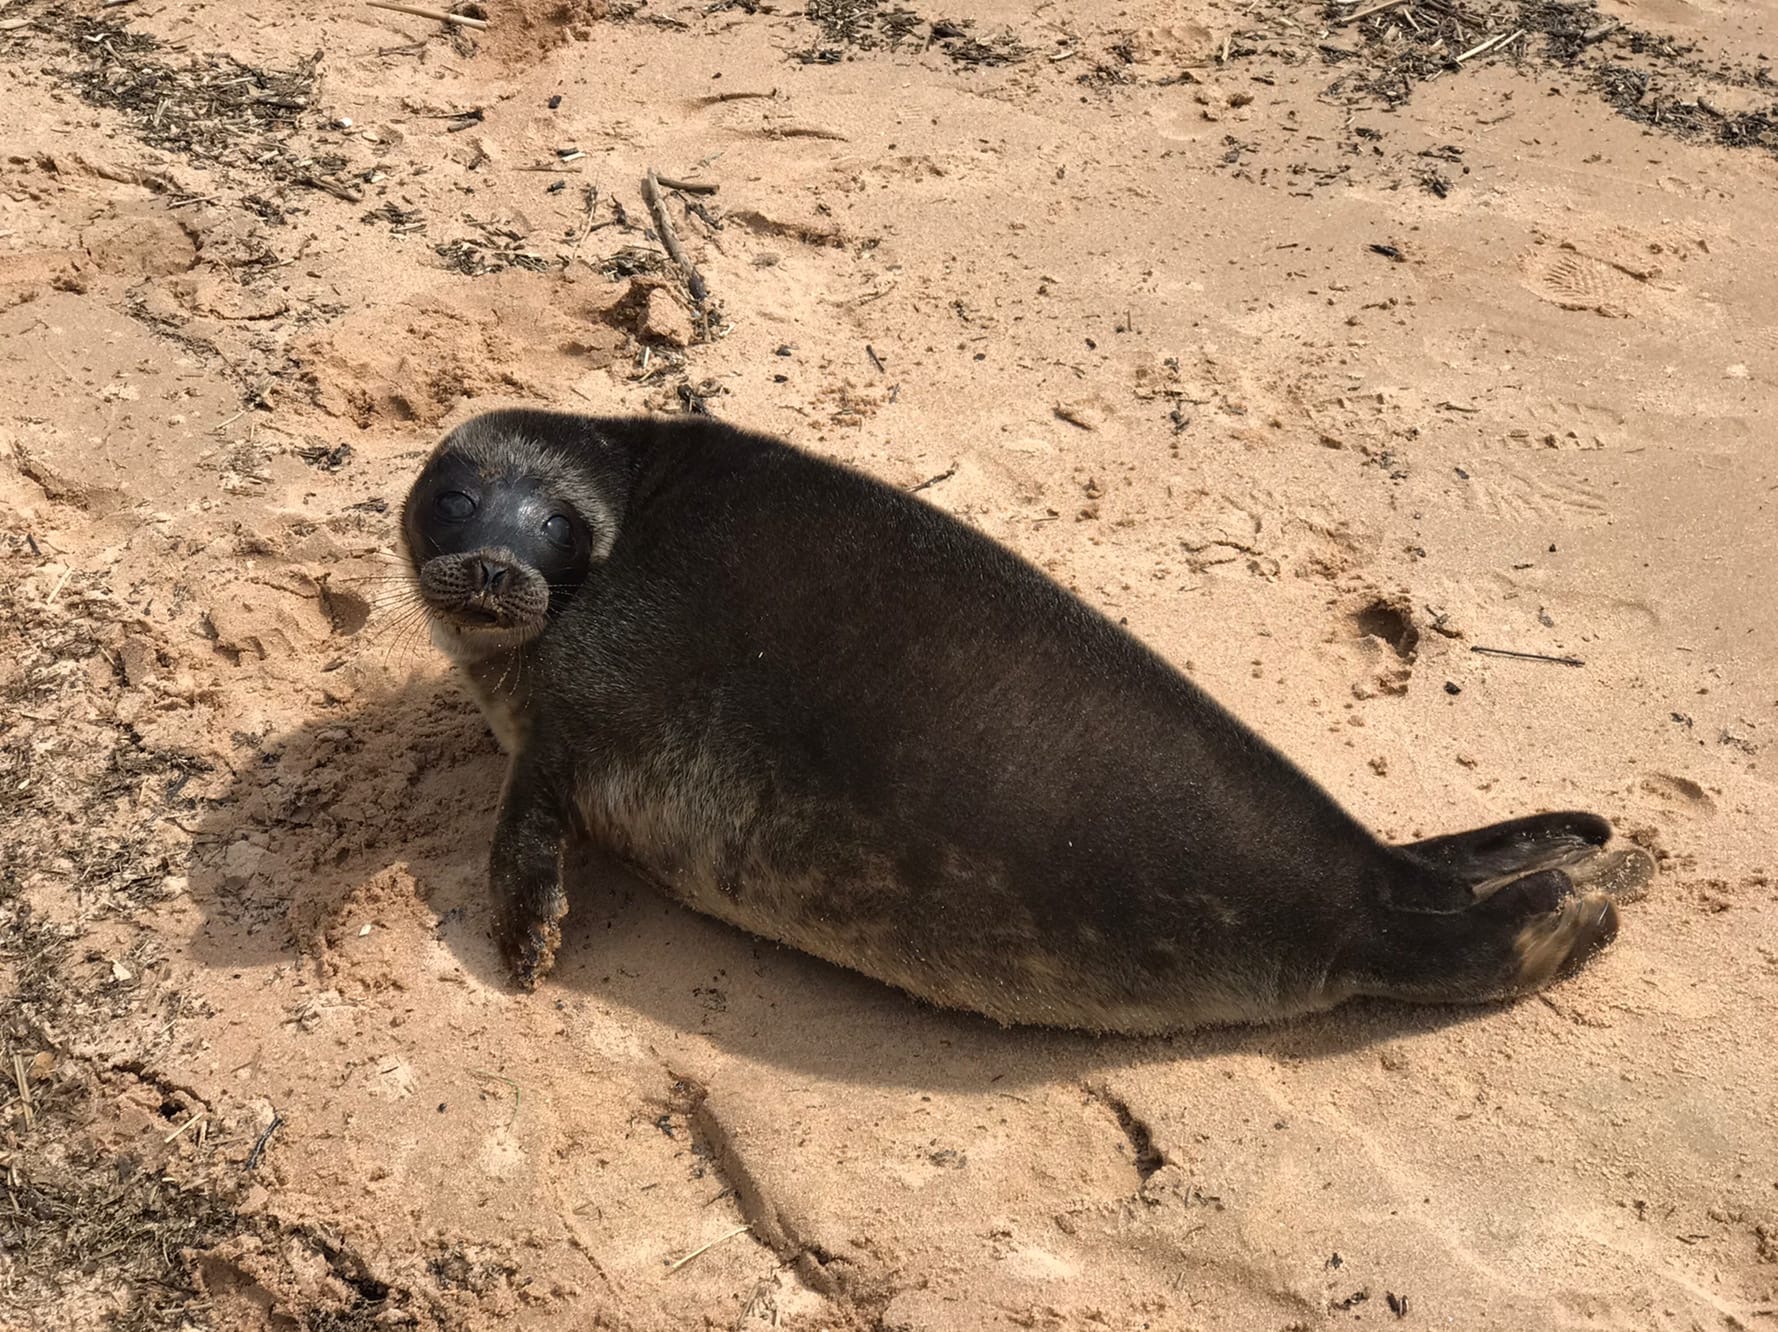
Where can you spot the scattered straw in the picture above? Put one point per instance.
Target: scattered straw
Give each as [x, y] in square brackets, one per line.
[22, 1077]
[705, 1248]
[179, 1132]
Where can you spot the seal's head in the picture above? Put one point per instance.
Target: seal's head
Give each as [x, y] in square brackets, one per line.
[501, 528]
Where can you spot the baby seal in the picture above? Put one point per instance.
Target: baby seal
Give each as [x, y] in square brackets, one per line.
[815, 707]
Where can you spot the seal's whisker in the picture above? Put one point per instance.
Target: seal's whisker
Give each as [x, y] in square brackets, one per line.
[389, 627]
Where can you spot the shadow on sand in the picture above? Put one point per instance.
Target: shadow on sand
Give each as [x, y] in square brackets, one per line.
[406, 784]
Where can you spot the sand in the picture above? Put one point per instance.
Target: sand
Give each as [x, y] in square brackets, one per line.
[1319, 361]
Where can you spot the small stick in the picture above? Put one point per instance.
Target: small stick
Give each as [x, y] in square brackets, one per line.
[1527, 656]
[932, 481]
[333, 187]
[55, 592]
[501, 1077]
[703, 1249]
[657, 207]
[195, 199]
[586, 226]
[686, 186]
[437, 15]
[1600, 32]
[1477, 49]
[1483, 47]
[181, 1129]
[1366, 13]
[23, 1079]
[258, 1151]
[716, 99]
[875, 360]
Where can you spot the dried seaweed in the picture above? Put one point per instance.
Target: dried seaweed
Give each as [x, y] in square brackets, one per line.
[1656, 81]
[210, 108]
[864, 25]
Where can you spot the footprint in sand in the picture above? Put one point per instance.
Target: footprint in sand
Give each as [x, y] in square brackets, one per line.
[1682, 791]
[1501, 489]
[1561, 424]
[1566, 278]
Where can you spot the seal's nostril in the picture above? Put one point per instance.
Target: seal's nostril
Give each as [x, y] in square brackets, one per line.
[489, 576]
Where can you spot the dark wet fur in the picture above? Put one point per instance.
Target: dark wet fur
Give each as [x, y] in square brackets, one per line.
[819, 708]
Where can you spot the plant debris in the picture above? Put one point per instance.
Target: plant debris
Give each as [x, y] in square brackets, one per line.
[875, 25]
[1654, 80]
[210, 108]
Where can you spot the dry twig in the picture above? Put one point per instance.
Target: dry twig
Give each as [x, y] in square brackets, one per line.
[657, 208]
[705, 1248]
[1367, 12]
[436, 15]
[1527, 656]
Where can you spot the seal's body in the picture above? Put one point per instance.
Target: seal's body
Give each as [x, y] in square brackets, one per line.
[815, 707]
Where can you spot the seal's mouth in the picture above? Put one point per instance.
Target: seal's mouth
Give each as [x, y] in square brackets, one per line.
[476, 616]
[485, 590]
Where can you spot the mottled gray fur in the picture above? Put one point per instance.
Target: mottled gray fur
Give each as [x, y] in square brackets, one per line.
[825, 712]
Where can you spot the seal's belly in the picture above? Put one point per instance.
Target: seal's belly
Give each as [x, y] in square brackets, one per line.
[958, 931]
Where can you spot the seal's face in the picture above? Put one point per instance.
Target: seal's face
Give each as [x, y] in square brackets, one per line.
[494, 550]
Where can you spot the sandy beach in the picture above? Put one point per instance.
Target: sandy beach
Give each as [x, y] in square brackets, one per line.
[1409, 379]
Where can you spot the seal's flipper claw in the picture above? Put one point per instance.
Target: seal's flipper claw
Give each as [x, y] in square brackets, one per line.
[530, 951]
[1622, 874]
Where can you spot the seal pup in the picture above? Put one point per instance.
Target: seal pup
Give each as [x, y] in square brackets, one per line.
[824, 711]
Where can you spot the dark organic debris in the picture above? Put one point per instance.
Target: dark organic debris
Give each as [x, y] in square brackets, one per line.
[1146, 1156]
[635, 261]
[211, 107]
[1657, 81]
[1527, 656]
[262, 1142]
[328, 459]
[499, 249]
[695, 398]
[864, 25]
[401, 220]
[878, 25]
[959, 42]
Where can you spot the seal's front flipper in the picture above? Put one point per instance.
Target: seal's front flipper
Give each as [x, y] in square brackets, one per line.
[525, 872]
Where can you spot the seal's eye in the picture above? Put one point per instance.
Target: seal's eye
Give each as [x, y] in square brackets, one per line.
[558, 531]
[454, 505]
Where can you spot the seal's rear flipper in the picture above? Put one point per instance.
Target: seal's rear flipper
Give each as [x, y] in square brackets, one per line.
[1516, 847]
[1515, 937]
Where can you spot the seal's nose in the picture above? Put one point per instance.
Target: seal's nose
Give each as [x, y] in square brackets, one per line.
[487, 575]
